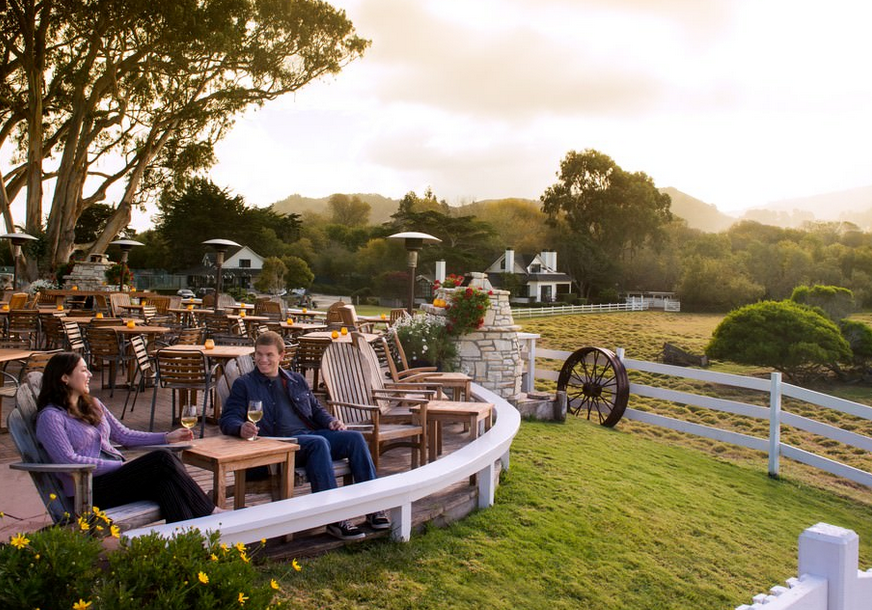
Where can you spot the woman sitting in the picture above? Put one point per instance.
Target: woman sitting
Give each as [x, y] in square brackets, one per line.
[76, 428]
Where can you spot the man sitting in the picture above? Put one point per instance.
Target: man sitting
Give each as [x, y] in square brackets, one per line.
[291, 410]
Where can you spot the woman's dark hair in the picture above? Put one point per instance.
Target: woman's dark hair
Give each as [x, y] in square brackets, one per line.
[55, 392]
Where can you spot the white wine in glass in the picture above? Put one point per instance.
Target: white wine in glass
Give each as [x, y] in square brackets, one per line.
[189, 416]
[255, 413]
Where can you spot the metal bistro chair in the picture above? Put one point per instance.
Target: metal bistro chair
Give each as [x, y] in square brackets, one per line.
[23, 328]
[144, 371]
[308, 357]
[104, 348]
[185, 372]
[52, 331]
[73, 339]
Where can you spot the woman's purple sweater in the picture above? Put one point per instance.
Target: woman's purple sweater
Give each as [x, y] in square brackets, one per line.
[68, 440]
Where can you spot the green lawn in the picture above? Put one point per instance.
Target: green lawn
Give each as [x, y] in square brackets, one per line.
[588, 517]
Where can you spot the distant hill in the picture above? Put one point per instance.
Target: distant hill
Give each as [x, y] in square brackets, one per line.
[382, 207]
[698, 214]
[853, 205]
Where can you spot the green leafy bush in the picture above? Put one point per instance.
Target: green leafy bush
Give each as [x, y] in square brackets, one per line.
[782, 335]
[69, 567]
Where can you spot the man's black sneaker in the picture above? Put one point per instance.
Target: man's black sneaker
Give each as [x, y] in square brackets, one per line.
[345, 530]
[378, 520]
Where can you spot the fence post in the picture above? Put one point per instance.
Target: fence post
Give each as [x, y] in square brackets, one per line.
[832, 553]
[774, 424]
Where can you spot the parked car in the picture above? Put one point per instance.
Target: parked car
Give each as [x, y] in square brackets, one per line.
[185, 293]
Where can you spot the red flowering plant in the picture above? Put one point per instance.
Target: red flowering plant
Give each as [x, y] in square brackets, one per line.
[452, 281]
[467, 309]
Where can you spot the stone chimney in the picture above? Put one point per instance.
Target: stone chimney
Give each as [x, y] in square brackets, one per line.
[509, 264]
[440, 271]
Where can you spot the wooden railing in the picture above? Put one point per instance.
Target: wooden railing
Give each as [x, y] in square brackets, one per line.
[394, 493]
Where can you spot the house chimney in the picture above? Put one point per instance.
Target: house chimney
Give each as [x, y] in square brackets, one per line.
[550, 260]
[440, 271]
[509, 263]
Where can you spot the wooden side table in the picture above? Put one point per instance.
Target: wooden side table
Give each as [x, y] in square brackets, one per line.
[223, 454]
[472, 414]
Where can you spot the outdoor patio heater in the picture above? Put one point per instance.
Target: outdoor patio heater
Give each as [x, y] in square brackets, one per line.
[18, 240]
[126, 246]
[221, 246]
[414, 241]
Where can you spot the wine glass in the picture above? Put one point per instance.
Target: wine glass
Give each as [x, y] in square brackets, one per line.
[189, 416]
[255, 413]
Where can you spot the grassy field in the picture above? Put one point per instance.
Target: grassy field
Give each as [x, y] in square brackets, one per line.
[588, 517]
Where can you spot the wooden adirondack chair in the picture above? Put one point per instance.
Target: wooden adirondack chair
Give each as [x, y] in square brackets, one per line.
[348, 377]
[35, 460]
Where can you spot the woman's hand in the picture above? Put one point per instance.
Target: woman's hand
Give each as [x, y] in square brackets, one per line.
[180, 436]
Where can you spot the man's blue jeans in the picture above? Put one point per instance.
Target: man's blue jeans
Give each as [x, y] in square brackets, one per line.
[319, 448]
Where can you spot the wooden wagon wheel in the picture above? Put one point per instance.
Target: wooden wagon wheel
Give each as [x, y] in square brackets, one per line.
[595, 381]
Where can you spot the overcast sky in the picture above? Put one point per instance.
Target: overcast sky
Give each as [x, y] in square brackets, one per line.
[735, 102]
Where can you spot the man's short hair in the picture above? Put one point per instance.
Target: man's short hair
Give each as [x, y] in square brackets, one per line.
[271, 338]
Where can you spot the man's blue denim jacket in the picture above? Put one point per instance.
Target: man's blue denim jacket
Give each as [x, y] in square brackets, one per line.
[255, 386]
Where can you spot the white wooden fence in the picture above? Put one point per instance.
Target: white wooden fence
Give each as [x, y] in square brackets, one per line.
[563, 310]
[828, 575]
[776, 390]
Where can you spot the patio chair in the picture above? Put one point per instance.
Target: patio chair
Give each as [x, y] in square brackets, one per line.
[395, 358]
[18, 300]
[104, 348]
[308, 357]
[397, 314]
[184, 372]
[23, 328]
[73, 339]
[348, 316]
[44, 473]
[52, 331]
[144, 371]
[347, 376]
[116, 300]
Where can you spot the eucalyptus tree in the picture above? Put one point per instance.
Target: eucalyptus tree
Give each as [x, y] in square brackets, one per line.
[136, 92]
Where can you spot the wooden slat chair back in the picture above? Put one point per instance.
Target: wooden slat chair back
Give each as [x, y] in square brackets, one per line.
[116, 300]
[52, 331]
[18, 300]
[245, 364]
[347, 377]
[397, 314]
[144, 371]
[73, 339]
[104, 348]
[45, 300]
[309, 353]
[225, 300]
[208, 301]
[193, 335]
[290, 356]
[333, 316]
[161, 303]
[23, 328]
[231, 373]
[34, 302]
[98, 322]
[186, 372]
[268, 308]
[44, 473]
[153, 318]
[37, 362]
[218, 323]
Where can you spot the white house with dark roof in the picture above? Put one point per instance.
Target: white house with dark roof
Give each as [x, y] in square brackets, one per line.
[538, 272]
[240, 268]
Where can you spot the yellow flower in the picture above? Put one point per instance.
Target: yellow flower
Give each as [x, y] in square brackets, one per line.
[19, 541]
[95, 510]
[82, 605]
[214, 557]
[2, 514]
[224, 547]
[99, 528]
[204, 578]
[242, 599]
[115, 531]
[296, 565]
[263, 541]
[244, 557]
[83, 524]
[274, 584]
[52, 497]
[239, 547]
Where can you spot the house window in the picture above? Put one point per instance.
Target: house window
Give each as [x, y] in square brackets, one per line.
[537, 268]
[245, 262]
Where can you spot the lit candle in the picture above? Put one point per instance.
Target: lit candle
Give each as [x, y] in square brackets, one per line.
[99, 315]
[61, 307]
[131, 324]
[334, 334]
[343, 330]
[210, 344]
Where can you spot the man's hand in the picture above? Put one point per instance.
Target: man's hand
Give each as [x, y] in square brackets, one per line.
[337, 424]
[180, 436]
[248, 430]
